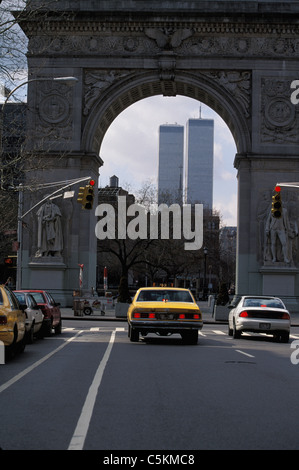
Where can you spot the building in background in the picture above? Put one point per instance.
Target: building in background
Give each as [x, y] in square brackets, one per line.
[199, 157]
[171, 161]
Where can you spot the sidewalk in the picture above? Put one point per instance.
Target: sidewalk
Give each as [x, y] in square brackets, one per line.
[68, 314]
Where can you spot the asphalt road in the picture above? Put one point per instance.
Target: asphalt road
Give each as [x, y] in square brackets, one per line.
[91, 389]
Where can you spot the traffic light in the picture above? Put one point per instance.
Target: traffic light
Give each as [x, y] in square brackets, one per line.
[86, 195]
[276, 204]
[81, 196]
[89, 195]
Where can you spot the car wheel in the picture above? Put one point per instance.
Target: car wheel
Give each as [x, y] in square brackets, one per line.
[190, 337]
[230, 331]
[57, 328]
[30, 335]
[284, 336]
[87, 311]
[236, 334]
[134, 335]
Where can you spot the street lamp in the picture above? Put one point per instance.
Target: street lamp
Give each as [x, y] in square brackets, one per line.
[205, 252]
[68, 81]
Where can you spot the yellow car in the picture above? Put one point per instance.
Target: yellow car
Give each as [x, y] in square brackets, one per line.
[164, 311]
[12, 321]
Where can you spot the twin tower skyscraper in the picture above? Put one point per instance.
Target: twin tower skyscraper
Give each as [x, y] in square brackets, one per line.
[186, 162]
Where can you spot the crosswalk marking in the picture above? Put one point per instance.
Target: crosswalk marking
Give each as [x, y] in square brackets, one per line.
[200, 333]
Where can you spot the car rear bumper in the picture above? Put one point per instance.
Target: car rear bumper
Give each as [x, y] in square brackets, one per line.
[172, 326]
[262, 325]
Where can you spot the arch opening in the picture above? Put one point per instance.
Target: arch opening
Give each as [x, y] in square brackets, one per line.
[130, 148]
[132, 89]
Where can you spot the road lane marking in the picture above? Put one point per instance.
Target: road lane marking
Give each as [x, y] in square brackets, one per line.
[245, 354]
[219, 332]
[79, 436]
[37, 363]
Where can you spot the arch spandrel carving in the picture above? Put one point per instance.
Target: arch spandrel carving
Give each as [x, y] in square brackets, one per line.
[230, 100]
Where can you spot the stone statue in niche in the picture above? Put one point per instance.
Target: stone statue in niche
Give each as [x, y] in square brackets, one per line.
[280, 235]
[49, 237]
[278, 230]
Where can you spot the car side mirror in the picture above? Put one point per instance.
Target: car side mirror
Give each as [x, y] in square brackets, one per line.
[23, 307]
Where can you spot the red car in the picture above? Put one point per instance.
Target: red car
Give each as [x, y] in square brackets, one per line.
[50, 309]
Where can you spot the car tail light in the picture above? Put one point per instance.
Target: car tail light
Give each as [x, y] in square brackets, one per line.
[285, 316]
[3, 319]
[244, 314]
[189, 316]
[144, 315]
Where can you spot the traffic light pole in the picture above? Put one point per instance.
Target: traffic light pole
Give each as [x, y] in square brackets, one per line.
[68, 185]
[288, 185]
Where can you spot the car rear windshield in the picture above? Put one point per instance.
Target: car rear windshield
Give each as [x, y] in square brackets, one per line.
[167, 295]
[273, 303]
[38, 296]
[20, 297]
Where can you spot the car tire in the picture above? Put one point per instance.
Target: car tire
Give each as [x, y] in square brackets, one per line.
[190, 337]
[134, 335]
[87, 311]
[236, 333]
[230, 331]
[30, 335]
[57, 328]
[284, 336]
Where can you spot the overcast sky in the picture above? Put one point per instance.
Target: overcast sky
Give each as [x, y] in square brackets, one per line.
[131, 145]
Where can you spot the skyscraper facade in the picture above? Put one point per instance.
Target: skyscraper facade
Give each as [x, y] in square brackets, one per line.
[171, 161]
[199, 165]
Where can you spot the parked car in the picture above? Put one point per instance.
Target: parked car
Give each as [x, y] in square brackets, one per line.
[34, 315]
[12, 321]
[259, 314]
[164, 311]
[50, 310]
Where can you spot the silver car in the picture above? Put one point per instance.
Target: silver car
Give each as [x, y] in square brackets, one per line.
[34, 315]
[259, 314]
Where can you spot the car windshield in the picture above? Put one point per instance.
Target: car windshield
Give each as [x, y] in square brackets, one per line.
[260, 302]
[38, 296]
[164, 295]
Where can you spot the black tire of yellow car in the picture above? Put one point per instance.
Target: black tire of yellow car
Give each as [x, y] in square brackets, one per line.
[134, 335]
[15, 347]
[190, 337]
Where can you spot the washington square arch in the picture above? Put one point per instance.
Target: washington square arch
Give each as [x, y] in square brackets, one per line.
[238, 57]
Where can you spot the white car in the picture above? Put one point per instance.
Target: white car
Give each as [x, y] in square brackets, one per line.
[259, 314]
[34, 315]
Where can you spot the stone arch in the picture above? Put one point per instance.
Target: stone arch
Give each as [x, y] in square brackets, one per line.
[135, 87]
